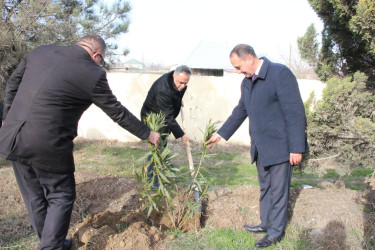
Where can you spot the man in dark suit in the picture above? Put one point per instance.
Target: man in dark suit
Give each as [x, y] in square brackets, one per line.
[165, 96]
[45, 98]
[271, 99]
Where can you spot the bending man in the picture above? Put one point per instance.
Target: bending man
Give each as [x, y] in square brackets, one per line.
[45, 98]
[165, 96]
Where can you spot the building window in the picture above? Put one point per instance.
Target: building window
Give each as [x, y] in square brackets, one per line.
[208, 72]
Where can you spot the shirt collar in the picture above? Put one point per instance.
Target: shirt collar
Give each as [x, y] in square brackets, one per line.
[259, 67]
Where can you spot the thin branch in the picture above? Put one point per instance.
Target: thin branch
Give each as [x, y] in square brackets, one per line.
[326, 158]
[36, 17]
[11, 10]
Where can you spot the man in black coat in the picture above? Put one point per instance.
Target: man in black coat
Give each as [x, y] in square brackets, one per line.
[271, 99]
[165, 96]
[45, 98]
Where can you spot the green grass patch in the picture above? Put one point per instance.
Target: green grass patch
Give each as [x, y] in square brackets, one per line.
[124, 152]
[122, 226]
[299, 183]
[299, 178]
[4, 162]
[175, 232]
[221, 238]
[355, 187]
[105, 159]
[226, 238]
[226, 167]
[331, 174]
[354, 181]
[29, 241]
[232, 174]
[223, 168]
[362, 172]
[299, 174]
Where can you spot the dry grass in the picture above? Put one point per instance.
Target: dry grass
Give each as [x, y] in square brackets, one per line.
[15, 228]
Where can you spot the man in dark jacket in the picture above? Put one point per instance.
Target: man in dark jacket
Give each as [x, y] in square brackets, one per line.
[270, 98]
[165, 96]
[45, 98]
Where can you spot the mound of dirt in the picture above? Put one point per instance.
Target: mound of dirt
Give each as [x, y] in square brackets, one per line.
[114, 219]
[139, 236]
[125, 229]
[232, 207]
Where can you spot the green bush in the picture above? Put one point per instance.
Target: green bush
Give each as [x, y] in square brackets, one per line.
[341, 126]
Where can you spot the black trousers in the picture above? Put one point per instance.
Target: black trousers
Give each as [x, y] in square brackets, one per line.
[274, 182]
[49, 199]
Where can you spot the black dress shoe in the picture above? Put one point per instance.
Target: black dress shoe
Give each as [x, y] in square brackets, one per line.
[268, 241]
[67, 244]
[255, 229]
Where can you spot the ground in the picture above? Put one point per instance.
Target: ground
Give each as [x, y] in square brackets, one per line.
[328, 216]
[329, 213]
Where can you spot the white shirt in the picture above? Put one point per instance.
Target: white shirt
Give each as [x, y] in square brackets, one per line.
[259, 67]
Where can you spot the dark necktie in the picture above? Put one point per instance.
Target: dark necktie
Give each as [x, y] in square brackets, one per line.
[254, 77]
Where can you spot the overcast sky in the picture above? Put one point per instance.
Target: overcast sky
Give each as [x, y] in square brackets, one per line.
[167, 31]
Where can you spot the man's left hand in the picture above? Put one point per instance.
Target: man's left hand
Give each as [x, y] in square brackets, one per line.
[154, 138]
[185, 139]
[295, 158]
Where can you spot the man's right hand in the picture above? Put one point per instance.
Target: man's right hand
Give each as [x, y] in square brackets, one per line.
[213, 139]
[154, 138]
[185, 139]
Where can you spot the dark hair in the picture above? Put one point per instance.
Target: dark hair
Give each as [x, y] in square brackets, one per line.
[95, 41]
[182, 68]
[243, 50]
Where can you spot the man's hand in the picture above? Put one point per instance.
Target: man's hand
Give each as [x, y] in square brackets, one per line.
[185, 139]
[295, 158]
[154, 138]
[214, 139]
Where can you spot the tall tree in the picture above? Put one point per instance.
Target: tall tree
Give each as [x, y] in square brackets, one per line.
[26, 24]
[308, 46]
[348, 43]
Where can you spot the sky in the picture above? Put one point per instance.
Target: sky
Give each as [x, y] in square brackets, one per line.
[167, 31]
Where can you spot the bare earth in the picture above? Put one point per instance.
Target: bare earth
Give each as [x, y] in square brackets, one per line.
[328, 215]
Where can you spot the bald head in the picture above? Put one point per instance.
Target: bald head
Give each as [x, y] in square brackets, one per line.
[243, 50]
[95, 42]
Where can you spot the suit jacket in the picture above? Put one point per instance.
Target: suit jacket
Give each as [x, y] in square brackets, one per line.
[164, 97]
[45, 98]
[276, 115]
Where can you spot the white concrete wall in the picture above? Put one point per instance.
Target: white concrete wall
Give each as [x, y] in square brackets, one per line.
[206, 97]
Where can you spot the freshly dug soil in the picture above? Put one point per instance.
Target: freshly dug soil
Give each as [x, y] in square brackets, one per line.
[114, 219]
